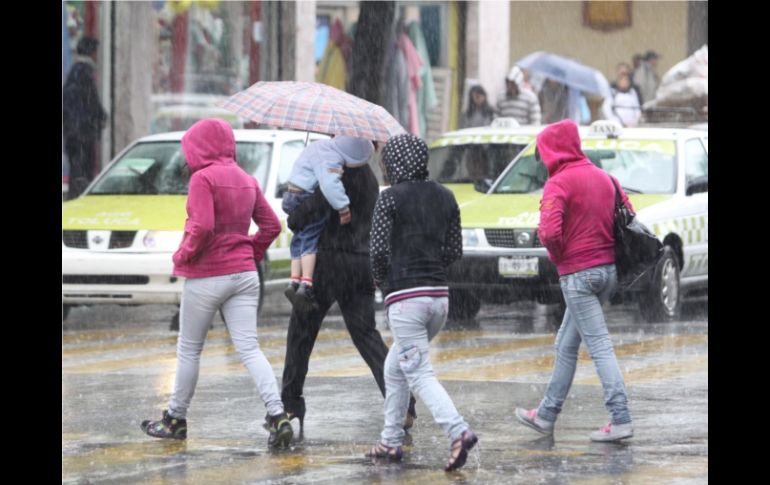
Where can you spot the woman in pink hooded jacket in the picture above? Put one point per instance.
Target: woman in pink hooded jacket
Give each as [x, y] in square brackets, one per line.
[577, 214]
[219, 260]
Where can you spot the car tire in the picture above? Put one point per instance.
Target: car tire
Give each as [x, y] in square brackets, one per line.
[65, 312]
[662, 302]
[463, 305]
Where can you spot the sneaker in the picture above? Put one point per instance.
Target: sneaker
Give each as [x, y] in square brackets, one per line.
[291, 291]
[613, 432]
[167, 427]
[280, 430]
[531, 419]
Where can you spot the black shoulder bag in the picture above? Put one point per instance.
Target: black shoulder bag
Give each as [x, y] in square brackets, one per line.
[637, 249]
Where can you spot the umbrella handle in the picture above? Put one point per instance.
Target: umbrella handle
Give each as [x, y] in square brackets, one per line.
[307, 138]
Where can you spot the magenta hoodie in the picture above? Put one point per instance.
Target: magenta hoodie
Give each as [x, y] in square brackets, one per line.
[577, 208]
[222, 201]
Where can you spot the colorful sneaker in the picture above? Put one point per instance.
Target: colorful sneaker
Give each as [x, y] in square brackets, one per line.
[613, 432]
[531, 419]
[280, 430]
[167, 427]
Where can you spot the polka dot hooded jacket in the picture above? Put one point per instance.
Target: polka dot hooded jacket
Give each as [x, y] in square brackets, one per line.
[416, 231]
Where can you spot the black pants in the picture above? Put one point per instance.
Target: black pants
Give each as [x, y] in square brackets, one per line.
[346, 279]
[81, 154]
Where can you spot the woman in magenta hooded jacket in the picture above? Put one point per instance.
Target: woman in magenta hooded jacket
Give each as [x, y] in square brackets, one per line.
[576, 226]
[219, 260]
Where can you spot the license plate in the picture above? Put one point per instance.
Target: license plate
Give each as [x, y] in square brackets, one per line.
[517, 267]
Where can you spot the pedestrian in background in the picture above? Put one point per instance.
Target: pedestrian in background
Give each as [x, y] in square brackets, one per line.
[479, 112]
[519, 103]
[83, 117]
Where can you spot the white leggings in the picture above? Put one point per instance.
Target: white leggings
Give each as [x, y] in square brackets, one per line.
[237, 295]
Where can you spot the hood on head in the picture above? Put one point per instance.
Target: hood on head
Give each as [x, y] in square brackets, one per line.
[559, 143]
[355, 151]
[207, 142]
[405, 158]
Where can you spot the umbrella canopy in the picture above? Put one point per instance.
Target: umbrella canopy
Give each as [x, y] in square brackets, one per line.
[567, 71]
[313, 107]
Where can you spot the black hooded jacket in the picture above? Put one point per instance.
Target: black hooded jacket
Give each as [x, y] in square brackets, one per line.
[416, 228]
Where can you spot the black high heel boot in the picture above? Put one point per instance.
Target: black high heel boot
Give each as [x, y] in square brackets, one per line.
[297, 411]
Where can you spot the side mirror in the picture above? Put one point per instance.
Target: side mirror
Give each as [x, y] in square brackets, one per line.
[482, 185]
[698, 185]
[281, 189]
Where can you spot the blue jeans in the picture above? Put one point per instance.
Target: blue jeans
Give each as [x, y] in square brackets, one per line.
[306, 240]
[414, 322]
[584, 293]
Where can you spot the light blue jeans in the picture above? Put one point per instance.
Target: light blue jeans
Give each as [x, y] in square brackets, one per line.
[584, 293]
[414, 322]
[237, 294]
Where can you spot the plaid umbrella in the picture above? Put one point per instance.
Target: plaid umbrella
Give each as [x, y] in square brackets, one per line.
[313, 107]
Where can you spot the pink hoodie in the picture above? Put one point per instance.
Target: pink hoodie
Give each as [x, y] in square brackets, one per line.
[222, 201]
[577, 208]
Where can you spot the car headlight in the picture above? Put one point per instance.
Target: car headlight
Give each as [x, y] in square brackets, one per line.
[470, 238]
[162, 240]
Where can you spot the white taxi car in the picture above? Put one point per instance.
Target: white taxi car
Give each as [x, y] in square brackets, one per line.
[665, 173]
[119, 236]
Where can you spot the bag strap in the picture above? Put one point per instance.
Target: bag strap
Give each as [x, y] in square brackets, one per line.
[618, 200]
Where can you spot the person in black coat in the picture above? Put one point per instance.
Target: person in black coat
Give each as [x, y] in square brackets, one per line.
[344, 275]
[83, 117]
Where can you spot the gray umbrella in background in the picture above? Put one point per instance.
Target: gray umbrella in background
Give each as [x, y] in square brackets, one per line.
[567, 71]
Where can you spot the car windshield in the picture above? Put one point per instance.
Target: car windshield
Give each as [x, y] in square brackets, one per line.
[160, 168]
[468, 163]
[641, 166]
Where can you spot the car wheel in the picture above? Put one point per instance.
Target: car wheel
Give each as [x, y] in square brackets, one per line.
[662, 300]
[463, 305]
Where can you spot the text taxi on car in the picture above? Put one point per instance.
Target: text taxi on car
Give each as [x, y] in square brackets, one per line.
[664, 171]
[468, 161]
[119, 236]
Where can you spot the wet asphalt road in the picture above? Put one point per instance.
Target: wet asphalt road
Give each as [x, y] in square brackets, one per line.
[118, 365]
